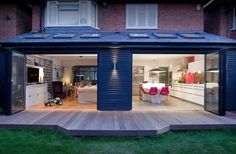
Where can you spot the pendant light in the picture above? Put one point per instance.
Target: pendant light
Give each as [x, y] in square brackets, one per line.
[157, 70]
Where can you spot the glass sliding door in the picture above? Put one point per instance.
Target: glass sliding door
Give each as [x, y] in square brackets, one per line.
[212, 83]
[17, 82]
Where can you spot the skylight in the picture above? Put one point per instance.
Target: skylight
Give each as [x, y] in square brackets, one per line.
[191, 35]
[63, 36]
[164, 35]
[94, 35]
[37, 36]
[138, 35]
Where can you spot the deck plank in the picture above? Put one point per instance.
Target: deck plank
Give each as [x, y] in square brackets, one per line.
[137, 121]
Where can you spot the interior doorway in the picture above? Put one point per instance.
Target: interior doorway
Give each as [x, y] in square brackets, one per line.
[61, 82]
[168, 81]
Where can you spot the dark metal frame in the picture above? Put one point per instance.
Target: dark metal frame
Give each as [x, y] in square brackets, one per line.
[222, 73]
[221, 82]
[10, 82]
[140, 48]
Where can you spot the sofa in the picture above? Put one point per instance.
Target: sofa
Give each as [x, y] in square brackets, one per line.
[87, 94]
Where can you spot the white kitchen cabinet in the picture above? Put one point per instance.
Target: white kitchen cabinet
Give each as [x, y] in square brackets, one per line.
[197, 66]
[189, 92]
[36, 94]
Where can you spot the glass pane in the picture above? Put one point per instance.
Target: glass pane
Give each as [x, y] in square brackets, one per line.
[152, 15]
[18, 82]
[68, 18]
[212, 83]
[83, 13]
[68, 14]
[212, 61]
[68, 7]
[142, 12]
[93, 15]
[87, 73]
[52, 14]
[234, 18]
[131, 10]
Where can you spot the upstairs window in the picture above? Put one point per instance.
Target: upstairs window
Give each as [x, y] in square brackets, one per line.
[73, 13]
[141, 16]
[234, 19]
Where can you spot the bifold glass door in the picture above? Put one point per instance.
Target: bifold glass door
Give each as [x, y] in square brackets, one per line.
[17, 82]
[212, 82]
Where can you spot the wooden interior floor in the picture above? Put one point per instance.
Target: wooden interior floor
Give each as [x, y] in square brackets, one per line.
[70, 103]
[172, 104]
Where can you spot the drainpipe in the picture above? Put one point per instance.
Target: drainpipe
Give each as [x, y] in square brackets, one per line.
[209, 3]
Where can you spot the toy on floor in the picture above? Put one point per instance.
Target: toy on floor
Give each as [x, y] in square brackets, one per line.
[53, 101]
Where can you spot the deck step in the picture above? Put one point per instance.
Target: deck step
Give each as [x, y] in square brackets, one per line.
[117, 132]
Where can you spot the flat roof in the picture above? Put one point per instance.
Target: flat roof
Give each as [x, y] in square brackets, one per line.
[73, 35]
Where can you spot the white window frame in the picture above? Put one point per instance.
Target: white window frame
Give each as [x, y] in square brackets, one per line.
[234, 16]
[89, 11]
[146, 27]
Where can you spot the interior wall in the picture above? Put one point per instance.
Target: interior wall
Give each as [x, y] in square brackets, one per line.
[174, 64]
[68, 64]
[150, 64]
[58, 69]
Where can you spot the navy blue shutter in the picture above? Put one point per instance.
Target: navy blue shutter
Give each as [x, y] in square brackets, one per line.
[5, 81]
[115, 85]
[230, 91]
[2, 77]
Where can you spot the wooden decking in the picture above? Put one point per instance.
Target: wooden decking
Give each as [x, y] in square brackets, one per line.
[100, 123]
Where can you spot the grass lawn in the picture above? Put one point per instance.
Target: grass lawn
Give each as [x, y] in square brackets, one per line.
[43, 141]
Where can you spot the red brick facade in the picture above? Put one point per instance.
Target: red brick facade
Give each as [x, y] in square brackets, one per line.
[13, 20]
[180, 17]
[170, 17]
[112, 16]
[36, 17]
[219, 20]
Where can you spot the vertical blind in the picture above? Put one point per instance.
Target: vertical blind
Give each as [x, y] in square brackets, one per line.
[141, 16]
[75, 13]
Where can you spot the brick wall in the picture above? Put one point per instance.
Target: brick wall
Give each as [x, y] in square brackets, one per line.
[180, 17]
[7, 20]
[13, 20]
[36, 17]
[219, 20]
[48, 74]
[112, 16]
[170, 17]
[23, 21]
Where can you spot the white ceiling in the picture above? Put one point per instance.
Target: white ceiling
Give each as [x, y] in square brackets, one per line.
[68, 57]
[159, 56]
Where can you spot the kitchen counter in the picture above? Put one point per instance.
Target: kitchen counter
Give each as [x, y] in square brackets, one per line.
[189, 92]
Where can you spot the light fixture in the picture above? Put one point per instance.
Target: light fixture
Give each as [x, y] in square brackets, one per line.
[157, 70]
[213, 70]
[104, 4]
[198, 7]
[114, 66]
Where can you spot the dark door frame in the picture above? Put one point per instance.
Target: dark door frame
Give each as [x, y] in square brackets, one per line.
[8, 107]
[222, 78]
[5, 81]
[222, 73]
[133, 51]
[10, 83]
